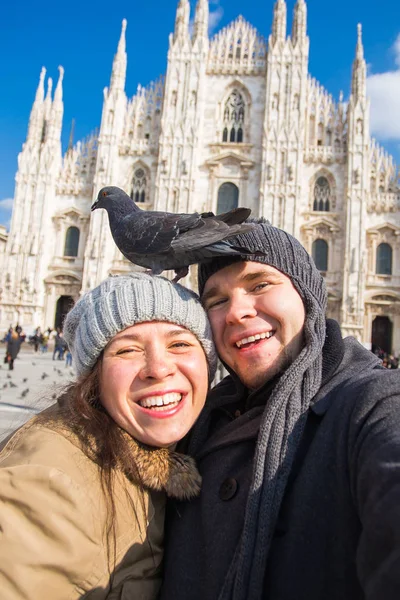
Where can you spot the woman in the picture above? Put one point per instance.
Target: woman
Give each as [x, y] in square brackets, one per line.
[13, 348]
[83, 485]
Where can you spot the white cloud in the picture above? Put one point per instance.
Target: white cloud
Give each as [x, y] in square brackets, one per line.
[6, 204]
[216, 14]
[384, 92]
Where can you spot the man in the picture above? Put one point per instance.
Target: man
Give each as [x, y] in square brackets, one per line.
[299, 447]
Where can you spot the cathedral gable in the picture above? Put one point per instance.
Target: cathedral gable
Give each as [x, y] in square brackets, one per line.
[238, 48]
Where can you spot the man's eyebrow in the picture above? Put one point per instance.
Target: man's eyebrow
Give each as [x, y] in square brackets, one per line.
[214, 291]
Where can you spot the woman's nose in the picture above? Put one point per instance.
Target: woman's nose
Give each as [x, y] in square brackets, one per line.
[157, 365]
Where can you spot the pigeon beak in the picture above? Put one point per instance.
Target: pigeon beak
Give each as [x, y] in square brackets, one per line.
[94, 206]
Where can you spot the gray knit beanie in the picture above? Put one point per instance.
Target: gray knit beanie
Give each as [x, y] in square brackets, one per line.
[278, 249]
[122, 301]
[286, 409]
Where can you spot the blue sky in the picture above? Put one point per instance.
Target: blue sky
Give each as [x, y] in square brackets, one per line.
[83, 36]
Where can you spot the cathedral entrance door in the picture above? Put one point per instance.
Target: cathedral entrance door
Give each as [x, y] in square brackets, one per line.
[382, 332]
[64, 304]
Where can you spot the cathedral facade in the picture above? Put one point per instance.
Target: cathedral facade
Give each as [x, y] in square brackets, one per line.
[237, 120]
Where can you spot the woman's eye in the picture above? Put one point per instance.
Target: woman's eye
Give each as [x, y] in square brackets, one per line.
[125, 351]
[180, 345]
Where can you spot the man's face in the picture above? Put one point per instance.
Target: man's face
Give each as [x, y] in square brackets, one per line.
[257, 318]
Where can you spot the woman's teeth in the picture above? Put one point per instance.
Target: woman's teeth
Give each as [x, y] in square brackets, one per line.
[254, 338]
[161, 403]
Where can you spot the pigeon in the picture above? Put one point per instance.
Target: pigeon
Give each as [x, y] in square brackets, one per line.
[44, 375]
[8, 376]
[25, 380]
[5, 385]
[24, 393]
[12, 385]
[160, 241]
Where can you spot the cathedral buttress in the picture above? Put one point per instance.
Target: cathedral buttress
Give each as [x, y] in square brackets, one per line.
[181, 123]
[284, 122]
[358, 176]
[100, 248]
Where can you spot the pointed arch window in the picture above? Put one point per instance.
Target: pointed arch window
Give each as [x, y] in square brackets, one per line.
[72, 242]
[384, 259]
[228, 197]
[234, 117]
[320, 252]
[139, 186]
[322, 195]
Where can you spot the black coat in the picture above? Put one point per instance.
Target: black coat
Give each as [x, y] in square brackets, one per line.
[13, 347]
[338, 533]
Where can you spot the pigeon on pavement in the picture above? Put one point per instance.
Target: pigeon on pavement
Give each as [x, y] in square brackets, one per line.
[160, 241]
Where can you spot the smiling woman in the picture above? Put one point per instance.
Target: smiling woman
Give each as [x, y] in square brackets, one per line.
[86, 481]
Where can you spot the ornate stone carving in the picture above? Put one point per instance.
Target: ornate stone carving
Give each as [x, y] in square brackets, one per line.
[238, 48]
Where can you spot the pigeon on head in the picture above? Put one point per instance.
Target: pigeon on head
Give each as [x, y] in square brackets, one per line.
[161, 241]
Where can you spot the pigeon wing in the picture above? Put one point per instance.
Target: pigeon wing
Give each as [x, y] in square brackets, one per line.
[215, 231]
[152, 232]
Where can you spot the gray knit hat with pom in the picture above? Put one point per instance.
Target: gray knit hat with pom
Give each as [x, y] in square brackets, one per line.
[122, 301]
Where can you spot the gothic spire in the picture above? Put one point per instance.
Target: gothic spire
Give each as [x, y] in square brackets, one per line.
[359, 81]
[48, 101]
[118, 74]
[36, 116]
[58, 96]
[71, 137]
[40, 89]
[57, 110]
[299, 29]
[279, 22]
[201, 19]
[182, 20]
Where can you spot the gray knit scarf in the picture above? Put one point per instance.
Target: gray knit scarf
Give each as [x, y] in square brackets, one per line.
[285, 414]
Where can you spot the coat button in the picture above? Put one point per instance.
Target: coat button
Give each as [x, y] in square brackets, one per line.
[228, 489]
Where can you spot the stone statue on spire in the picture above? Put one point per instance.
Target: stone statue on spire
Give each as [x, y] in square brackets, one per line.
[279, 22]
[359, 79]
[182, 20]
[118, 75]
[201, 20]
[299, 29]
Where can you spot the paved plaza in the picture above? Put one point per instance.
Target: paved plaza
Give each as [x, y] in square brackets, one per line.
[30, 387]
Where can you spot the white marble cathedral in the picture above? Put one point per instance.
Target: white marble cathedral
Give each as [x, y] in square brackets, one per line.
[237, 119]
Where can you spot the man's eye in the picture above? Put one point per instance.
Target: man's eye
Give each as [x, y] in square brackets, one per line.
[215, 303]
[261, 286]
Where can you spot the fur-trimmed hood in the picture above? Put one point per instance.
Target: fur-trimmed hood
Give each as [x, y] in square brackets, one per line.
[162, 469]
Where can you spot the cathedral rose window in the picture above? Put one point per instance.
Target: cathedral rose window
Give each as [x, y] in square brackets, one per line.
[234, 114]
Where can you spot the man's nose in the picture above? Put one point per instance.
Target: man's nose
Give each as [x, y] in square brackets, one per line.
[157, 365]
[240, 307]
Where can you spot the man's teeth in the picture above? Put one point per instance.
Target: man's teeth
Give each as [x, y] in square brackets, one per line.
[161, 400]
[254, 338]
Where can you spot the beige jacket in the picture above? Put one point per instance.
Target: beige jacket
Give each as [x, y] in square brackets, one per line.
[53, 514]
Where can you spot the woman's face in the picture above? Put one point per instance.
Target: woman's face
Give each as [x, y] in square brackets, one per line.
[154, 381]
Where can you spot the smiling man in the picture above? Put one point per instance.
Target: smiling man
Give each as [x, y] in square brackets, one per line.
[299, 447]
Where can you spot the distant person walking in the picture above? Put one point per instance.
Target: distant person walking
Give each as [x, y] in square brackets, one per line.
[13, 347]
